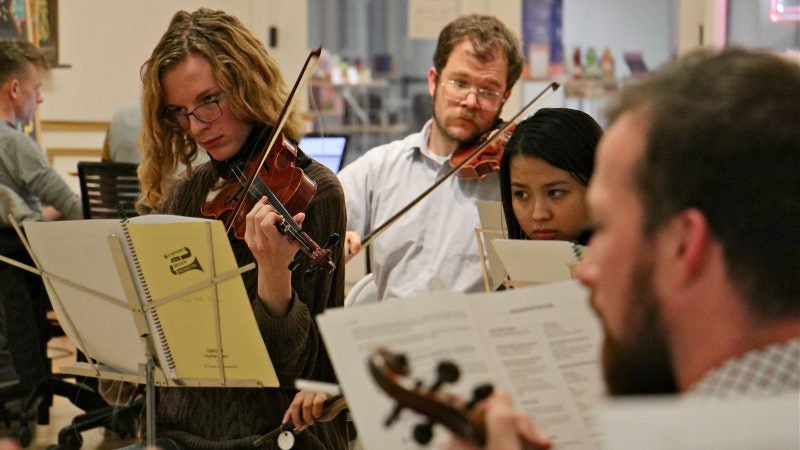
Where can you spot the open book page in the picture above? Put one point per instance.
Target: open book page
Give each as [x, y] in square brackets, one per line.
[545, 341]
[541, 343]
[173, 254]
[79, 252]
[693, 424]
[493, 226]
[537, 262]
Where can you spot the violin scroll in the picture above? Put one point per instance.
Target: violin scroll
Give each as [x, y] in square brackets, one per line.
[391, 372]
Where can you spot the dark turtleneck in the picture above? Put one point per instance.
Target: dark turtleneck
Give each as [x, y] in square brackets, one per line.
[224, 169]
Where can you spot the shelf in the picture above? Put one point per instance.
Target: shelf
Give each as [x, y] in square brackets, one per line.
[397, 128]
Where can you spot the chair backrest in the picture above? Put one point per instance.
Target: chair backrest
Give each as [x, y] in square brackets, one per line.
[363, 292]
[108, 189]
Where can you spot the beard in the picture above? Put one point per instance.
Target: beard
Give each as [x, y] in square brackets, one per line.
[439, 123]
[639, 362]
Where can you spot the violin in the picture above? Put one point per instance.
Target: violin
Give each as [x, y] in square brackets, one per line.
[492, 143]
[288, 183]
[272, 173]
[488, 160]
[391, 371]
[287, 188]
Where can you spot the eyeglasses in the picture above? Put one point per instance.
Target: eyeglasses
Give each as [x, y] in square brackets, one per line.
[457, 91]
[205, 112]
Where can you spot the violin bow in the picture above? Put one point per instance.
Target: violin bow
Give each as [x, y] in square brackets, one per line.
[331, 408]
[542, 96]
[302, 79]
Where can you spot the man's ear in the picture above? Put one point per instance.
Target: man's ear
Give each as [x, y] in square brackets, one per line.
[687, 241]
[12, 87]
[433, 78]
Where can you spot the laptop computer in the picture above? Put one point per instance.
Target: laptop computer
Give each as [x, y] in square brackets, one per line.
[329, 149]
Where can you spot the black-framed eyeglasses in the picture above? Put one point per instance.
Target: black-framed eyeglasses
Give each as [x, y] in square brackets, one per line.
[206, 112]
[457, 91]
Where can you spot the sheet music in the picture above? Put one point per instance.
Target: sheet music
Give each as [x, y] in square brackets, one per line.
[537, 262]
[172, 257]
[173, 254]
[541, 343]
[493, 226]
[75, 251]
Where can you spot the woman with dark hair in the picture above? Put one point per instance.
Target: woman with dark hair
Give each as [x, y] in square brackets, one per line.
[544, 172]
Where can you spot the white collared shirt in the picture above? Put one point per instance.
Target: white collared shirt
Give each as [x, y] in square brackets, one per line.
[433, 247]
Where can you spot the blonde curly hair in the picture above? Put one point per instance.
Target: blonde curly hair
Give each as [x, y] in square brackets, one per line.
[247, 74]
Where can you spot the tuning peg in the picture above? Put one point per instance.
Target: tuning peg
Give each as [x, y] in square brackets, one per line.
[423, 433]
[333, 239]
[398, 363]
[446, 372]
[393, 416]
[479, 393]
[294, 263]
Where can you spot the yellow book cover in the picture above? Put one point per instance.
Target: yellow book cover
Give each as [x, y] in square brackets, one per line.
[176, 260]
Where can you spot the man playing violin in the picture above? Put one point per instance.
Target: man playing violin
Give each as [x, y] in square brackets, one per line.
[693, 262]
[210, 83]
[476, 63]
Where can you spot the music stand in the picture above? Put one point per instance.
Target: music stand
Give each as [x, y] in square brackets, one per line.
[150, 370]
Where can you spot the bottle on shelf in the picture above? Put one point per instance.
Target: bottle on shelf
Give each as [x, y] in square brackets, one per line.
[607, 65]
[592, 64]
[577, 66]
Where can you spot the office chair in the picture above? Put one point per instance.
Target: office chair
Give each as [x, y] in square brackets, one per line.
[363, 292]
[108, 190]
[24, 392]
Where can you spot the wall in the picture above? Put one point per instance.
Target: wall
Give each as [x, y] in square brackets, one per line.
[621, 25]
[749, 25]
[104, 43]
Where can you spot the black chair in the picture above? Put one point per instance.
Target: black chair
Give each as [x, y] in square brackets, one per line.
[25, 391]
[108, 189]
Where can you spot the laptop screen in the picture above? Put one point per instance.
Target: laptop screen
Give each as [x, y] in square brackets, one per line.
[328, 150]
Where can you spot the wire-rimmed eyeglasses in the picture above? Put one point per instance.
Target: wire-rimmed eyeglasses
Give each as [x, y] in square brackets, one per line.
[205, 112]
[457, 91]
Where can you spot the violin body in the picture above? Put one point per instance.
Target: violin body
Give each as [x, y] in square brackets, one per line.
[487, 160]
[288, 190]
[292, 187]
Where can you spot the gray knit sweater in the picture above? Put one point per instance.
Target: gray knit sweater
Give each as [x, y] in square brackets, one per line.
[25, 170]
[218, 418]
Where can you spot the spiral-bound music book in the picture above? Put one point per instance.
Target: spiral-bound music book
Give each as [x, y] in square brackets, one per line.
[170, 282]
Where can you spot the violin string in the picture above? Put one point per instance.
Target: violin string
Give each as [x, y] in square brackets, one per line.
[293, 228]
[317, 123]
[277, 129]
